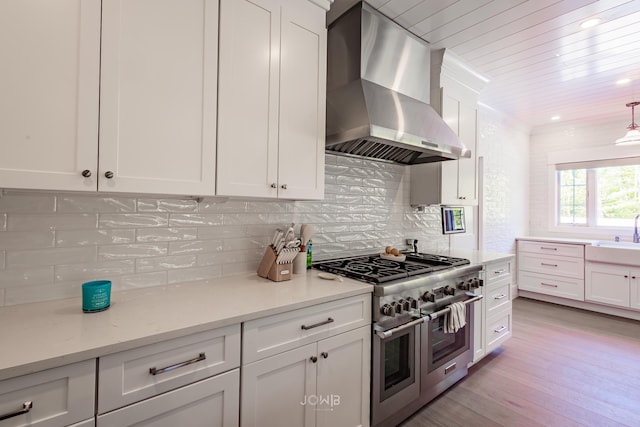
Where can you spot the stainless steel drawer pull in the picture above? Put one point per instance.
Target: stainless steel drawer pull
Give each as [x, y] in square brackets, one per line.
[548, 265]
[26, 407]
[315, 325]
[548, 249]
[450, 368]
[502, 270]
[549, 284]
[500, 329]
[500, 296]
[154, 371]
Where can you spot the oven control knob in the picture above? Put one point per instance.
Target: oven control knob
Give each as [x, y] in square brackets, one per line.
[397, 306]
[448, 290]
[475, 282]
[428, 297]
[464, 285]
[388, 310]
[405, 304]
[412, 302]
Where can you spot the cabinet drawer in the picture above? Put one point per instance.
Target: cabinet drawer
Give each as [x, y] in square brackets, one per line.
[552, 285]
[274, 334]
[498, 329]
[127, 377]
[498, 296]
[497, 270]
[211, 402]
[554, 265]
[59, 396]
[549, 248]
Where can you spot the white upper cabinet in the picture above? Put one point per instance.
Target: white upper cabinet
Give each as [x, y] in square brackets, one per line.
[153, 89]
[272, 88]
[49, 83]
[158, 96]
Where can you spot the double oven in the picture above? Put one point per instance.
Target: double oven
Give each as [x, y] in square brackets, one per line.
[413, 358]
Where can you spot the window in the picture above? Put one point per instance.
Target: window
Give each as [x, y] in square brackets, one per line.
[600, 194]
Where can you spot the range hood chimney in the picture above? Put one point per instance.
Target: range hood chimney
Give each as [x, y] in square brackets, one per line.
[378, 93]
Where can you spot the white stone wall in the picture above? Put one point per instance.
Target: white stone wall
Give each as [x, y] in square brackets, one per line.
[50, 243]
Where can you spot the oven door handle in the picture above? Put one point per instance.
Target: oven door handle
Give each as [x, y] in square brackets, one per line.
[447, 309]
[389, 332]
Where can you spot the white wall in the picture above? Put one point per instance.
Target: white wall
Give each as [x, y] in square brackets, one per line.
[50, 243]
[563, 137]
[504, 211]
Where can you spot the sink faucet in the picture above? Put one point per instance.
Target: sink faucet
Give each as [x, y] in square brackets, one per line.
[636, 238]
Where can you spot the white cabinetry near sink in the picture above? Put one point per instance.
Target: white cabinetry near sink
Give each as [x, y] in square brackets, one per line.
[139, 76]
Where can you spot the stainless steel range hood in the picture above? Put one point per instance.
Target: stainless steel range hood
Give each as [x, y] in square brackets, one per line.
[378, 93]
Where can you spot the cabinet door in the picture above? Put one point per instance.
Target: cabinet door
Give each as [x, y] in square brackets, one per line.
[207, 403]
[49, 83]
[276, 390]
[607, 284]
[158, 96]
[302, 101]
[248, 98]
[635, 290]
[342, 395]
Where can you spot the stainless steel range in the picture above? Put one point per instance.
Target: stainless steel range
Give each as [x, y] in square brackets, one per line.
[413, 359]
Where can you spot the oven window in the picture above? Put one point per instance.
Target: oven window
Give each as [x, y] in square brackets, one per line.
[443, 345]
[397, 355]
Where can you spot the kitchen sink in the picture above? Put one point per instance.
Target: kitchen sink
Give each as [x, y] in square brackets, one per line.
[626, 253]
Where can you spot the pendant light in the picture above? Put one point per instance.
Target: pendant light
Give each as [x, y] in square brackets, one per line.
[633, 135]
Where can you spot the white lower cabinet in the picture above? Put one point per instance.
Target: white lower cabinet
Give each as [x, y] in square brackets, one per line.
[208, 403]
[318, 374]
[55, 397]
[610, 284]
[86, 423]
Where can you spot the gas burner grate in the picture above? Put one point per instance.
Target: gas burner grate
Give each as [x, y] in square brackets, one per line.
[373, 269]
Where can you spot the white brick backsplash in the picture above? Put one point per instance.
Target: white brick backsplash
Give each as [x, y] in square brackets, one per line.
[29, 222]
[144, 265]
[92, 271]
[55, 256]
[194, 220]
[78, 203]
[198, 273]
[69, 238]
[27, 239]
[26, 276]
[139, 241]
[165, 234]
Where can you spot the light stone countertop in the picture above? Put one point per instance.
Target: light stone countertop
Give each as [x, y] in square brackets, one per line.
[44, 335]
[477, 257]
[559, 240]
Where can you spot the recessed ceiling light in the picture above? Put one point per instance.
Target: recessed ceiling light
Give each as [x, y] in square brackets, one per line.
[589, 23]
[555, 118]
[623, 81]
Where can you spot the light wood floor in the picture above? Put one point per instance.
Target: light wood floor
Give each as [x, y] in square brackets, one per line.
[562, 367]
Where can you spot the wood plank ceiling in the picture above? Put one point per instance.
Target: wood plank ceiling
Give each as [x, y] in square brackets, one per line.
[540, 61]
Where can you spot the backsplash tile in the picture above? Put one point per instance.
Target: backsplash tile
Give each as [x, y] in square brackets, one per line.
[50, 243]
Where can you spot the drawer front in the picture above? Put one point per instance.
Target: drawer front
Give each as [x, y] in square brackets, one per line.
[497, 270]
[59, 396]
[498, 296]
[498, 329]
[213, 402]
[548, 248]
[140, 373]
[557, 266]
[552, 285]
[274, 334]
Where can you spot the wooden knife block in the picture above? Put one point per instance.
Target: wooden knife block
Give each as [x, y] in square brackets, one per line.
[270, 270]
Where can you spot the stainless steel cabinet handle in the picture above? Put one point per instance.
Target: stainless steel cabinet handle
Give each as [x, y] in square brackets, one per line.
[549, 284]
[500, 296]
[502, 270]
[315, 325]
[154, 371]
[548, 265]
[500, 329]
[314, 359]
[86, 173]
[283, 186]
[26, 407]
[273, 185]
[324, 354]
[548, 249]
[108, 174]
